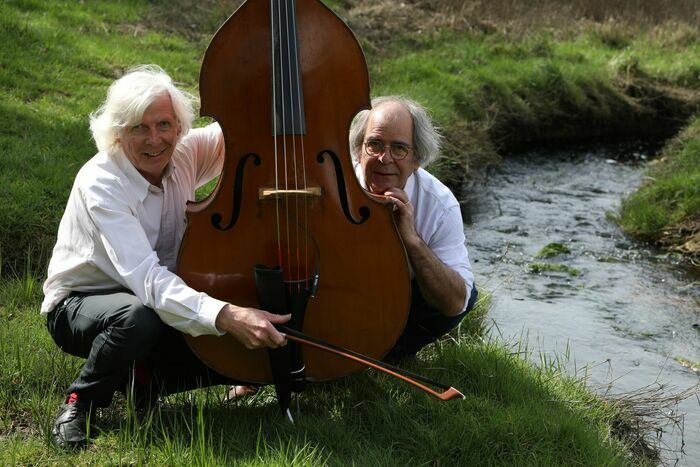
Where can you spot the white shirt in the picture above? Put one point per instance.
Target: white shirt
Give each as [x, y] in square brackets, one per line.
[438, 222]
[119, 231]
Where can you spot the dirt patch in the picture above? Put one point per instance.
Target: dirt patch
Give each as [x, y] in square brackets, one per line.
[683, 238]
[197, 21]
[379, 21]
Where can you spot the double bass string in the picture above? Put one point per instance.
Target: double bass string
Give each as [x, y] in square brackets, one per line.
[295, 43]
[289, 39]
[274, 134]
[290, 68]
[284, 131]
[287, 107]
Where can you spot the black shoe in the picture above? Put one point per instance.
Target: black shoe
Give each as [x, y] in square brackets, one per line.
[142, 399]
[141, 391]
[145, 403]
[70, 431]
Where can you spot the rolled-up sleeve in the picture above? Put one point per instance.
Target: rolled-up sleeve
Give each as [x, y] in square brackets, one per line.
[449, 245]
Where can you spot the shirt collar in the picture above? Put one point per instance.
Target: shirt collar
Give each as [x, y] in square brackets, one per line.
[410, 185]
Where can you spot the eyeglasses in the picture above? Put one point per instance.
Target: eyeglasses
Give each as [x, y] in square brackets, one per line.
[398, 151]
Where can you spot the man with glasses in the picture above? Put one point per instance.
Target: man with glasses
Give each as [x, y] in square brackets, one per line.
[390, 144]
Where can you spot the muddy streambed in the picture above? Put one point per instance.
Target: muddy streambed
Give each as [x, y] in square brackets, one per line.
[612, 308]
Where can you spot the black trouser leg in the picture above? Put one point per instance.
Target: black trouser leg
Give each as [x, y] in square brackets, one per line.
[425, 324]
[175, 368]
[114, 331]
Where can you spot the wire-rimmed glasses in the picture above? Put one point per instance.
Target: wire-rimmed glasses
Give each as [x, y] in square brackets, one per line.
[398, 151]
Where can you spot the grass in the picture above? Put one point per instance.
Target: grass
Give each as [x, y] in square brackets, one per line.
[494, 76]
[666, 209]
[55, 70]
[513, 413]
[537, 89]
[490, 88]
[517, 15]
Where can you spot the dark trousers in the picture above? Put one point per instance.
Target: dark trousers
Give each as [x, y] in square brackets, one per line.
[425, 324]
[123, 339]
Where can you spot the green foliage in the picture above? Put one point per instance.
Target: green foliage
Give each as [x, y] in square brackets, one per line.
[553, 249]
[538, 88]
[540, 268]
[671, 196]
[474, 324]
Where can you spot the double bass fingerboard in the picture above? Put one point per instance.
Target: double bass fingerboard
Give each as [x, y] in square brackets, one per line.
[288, 102]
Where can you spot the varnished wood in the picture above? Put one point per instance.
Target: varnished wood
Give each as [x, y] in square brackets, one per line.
[364, 288]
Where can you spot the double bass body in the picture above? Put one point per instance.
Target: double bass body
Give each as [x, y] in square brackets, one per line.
[284, 90]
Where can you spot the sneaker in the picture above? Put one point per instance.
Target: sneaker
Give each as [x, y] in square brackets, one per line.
[70, 431]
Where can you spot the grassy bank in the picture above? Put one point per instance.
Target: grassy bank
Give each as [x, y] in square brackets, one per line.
[513, 414]
[58, 61]
[666, 209]
[492, 84]
[503, 75]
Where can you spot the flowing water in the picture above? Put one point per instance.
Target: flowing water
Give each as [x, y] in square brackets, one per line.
[630, 316]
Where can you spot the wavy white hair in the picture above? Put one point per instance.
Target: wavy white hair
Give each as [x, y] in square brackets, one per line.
[426, 138]
[129, 97]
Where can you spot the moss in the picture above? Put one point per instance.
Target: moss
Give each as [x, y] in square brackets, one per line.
[540, 268]
[552, 250]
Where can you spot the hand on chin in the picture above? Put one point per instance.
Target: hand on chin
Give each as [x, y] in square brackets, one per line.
[380, 184]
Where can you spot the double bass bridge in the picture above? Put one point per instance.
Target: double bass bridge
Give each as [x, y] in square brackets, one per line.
[274, 193]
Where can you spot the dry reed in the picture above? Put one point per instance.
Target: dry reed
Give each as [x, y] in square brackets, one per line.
[644, 414]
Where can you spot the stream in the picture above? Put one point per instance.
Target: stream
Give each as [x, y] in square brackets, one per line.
[626, 320]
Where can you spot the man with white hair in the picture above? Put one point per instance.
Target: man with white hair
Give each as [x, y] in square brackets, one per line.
[111, 294]
[391, 143]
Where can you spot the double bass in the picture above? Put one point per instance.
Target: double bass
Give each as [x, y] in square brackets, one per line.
[288, 227]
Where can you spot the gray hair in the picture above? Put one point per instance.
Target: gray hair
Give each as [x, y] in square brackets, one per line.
[426, 138]
[129, 97]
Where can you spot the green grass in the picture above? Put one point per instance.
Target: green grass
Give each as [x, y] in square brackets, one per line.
[513, 413]
[58, 60]
[462, 73]
[490, 91]
[669, 202]
[487, 89]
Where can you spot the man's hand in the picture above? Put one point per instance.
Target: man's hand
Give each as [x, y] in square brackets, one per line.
[403, 212]
[252, 327]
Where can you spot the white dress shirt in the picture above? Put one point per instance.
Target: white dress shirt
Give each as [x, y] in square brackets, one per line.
[438, 222]
[119, 231]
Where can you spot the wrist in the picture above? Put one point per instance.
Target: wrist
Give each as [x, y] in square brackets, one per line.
[224, 317]
[412, 241]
